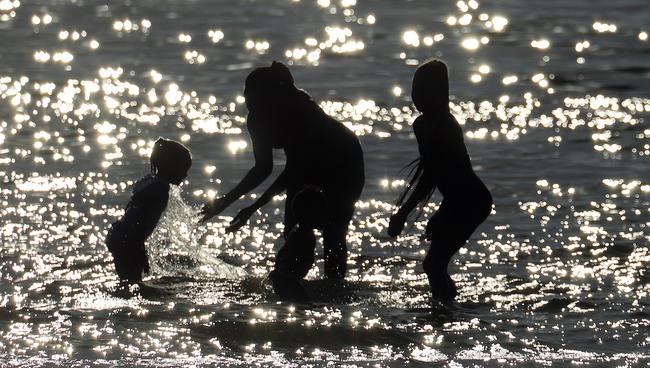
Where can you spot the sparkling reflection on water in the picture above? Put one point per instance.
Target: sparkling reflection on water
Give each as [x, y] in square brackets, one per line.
[555, 113]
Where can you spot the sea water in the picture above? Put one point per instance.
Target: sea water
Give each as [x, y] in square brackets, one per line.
[554, 101]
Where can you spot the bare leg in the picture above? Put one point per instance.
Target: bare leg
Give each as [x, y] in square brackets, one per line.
[449, 229]
[342, 193]
[435, 266]
[296, 256]
[335, 244]
[130, 260]
[290, 220]
[292, 264]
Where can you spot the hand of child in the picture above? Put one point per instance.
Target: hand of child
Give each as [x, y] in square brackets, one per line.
[212, 208]
[396, 224]
[241, 219]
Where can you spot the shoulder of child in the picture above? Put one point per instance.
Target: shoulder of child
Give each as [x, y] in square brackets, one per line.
[419, 124]
[151, 188]
[424, 127]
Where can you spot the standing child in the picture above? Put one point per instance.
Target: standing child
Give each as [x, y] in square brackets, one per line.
[170, 162]
[443, 164]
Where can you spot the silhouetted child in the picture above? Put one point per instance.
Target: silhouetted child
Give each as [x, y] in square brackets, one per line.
[296, 256]
[445, 164]
[170, 162]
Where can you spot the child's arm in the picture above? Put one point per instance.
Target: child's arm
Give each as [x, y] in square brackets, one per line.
[263, 153]
[422, 189]
[278, 186]
[426, 184]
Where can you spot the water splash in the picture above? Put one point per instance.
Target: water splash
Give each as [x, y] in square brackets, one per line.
[174, 248]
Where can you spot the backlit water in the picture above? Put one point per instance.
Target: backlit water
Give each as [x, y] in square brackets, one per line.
[553, 97]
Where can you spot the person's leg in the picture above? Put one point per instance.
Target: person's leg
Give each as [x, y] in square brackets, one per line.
[120, 261]
[435, 266]
[342, 192]
[449, 229]
[296, 257]
[290, 220]
[341, 206]
[335, 251]
[117, 248]
[443, 232]
[130, 261]
[292, 263]
[139, 262]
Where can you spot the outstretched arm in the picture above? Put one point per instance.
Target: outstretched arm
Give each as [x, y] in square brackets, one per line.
[278, 186]
[263, 153]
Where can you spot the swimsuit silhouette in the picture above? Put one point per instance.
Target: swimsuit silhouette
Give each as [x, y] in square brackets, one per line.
[319, 151]
[443, 164]
[170, 162]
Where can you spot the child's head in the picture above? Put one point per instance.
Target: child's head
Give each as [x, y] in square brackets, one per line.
[430, 91]
[264, 86]
[309, 207]
[170, 160]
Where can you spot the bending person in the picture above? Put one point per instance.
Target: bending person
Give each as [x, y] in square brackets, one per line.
[443, 164]
[319, 151]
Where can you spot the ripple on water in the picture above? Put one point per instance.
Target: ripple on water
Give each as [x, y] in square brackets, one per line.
[554, 114]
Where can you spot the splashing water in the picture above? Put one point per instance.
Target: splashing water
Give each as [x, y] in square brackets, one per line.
[174, 248]
[555, 112]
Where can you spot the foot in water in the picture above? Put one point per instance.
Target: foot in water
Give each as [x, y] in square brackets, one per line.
[442, 286]
[288, 287]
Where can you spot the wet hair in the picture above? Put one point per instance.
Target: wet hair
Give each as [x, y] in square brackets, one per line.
[170, 158]
[415, 171]
[269, 83]
[430, 89]
[430, 93]
[309, 207]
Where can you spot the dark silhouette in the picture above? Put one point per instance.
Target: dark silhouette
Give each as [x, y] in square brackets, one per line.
[319, 151]
[443, 164]
[296, 256]
[170, 162]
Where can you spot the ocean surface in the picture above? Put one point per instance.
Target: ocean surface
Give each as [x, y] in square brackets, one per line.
[554, 99]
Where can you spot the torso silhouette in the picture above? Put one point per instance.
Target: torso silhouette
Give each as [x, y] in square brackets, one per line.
[318, 148]
[444, 155]
[149, 199]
